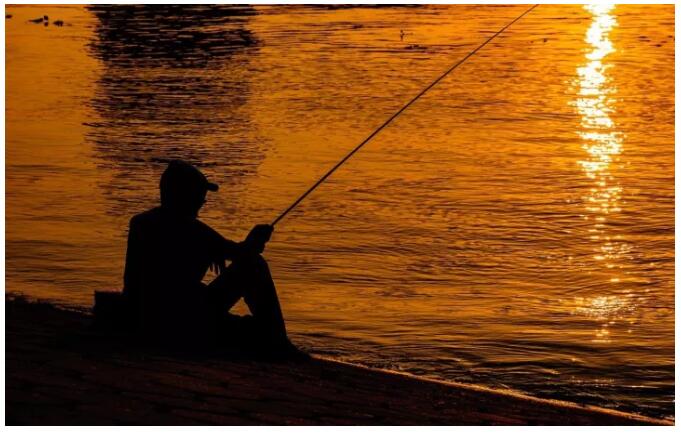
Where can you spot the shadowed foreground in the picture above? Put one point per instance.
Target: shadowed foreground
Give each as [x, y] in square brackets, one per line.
[58, 372]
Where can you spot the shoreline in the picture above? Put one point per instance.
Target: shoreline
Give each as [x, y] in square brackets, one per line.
[59, 372]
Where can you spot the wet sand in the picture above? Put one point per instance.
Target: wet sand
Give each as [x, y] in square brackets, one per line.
[59, 372]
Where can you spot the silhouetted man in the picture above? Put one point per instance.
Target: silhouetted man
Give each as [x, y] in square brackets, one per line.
[169, 252]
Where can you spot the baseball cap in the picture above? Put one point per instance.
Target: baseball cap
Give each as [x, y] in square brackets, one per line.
[183, 175]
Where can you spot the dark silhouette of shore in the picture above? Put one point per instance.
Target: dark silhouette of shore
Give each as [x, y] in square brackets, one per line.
[59, 372]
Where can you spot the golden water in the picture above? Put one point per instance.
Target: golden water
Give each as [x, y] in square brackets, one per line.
[515, 227]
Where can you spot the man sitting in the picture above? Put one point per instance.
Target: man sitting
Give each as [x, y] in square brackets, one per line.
[169, 252]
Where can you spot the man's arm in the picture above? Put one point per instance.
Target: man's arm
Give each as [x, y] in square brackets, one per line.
[230, 249]
[253, 244]
[220, 248]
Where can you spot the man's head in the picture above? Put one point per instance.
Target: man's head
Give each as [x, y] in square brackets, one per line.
[183, 188]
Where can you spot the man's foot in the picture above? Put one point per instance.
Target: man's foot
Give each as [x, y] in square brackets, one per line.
[284, 350]
[291, 352]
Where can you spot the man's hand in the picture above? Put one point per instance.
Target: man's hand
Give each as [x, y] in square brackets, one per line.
[217, 266]
[258, 237]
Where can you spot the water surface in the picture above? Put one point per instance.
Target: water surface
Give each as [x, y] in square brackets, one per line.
[514, 228]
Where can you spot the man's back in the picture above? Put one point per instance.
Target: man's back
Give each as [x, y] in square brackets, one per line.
[166, 259]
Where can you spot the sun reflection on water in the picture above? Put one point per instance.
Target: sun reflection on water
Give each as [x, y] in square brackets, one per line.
[603, 145]
[601, 141]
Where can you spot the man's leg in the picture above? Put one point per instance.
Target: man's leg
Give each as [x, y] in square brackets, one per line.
[251, 279]
[225, 290]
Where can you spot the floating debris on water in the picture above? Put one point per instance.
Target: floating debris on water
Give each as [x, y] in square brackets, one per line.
[42, 19]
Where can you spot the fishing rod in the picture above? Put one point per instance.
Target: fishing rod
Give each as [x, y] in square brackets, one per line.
[396, 114]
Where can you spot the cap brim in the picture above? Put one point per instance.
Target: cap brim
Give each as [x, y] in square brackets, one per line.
[211, 186]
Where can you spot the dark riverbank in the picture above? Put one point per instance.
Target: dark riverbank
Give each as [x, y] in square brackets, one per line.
[59, 372]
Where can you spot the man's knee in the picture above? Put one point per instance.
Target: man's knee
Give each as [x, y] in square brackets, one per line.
[261, 262]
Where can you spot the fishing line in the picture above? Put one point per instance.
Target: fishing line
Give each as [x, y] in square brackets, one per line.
[391, 118]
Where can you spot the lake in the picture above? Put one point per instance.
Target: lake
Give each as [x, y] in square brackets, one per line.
[513, 228]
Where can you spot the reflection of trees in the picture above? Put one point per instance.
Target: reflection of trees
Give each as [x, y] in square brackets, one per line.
[173, 85]
[170, 35]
